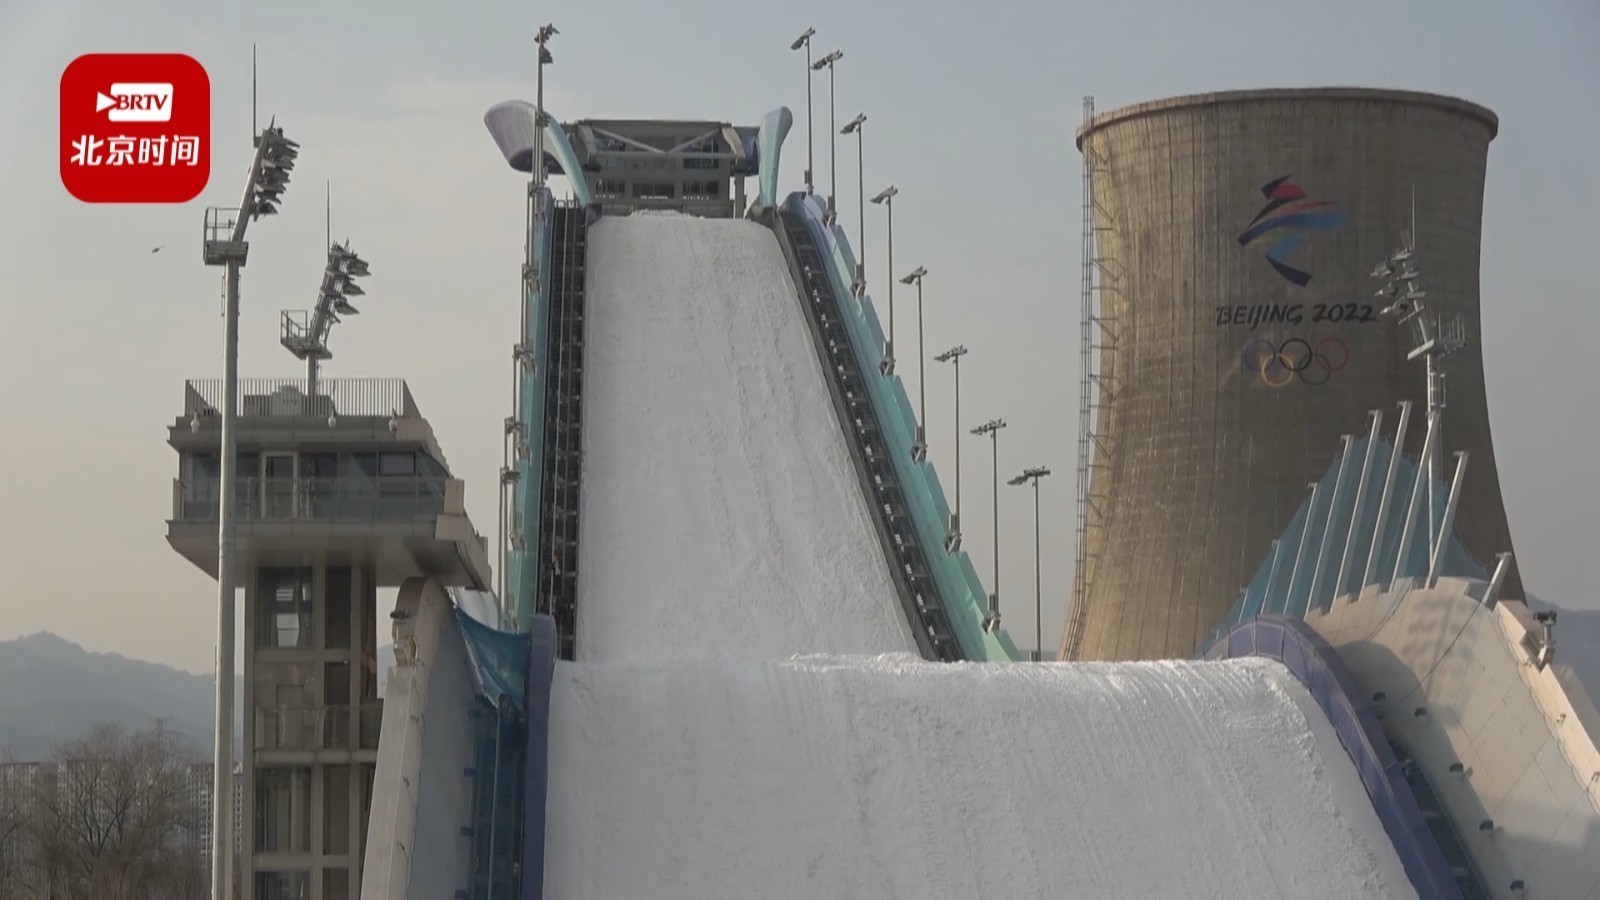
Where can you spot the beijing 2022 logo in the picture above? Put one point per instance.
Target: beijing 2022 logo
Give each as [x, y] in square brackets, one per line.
[1291, 214]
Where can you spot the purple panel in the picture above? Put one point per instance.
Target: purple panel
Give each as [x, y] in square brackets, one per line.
[536, 777]
[752, 153]
[1317, 666]
[1241, 642]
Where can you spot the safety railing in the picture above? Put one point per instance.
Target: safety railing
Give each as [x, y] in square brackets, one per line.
[287, 397]
[320, 727]
[348, 498]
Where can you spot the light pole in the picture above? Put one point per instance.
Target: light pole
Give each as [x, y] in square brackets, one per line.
[804, 40]
[885, 199]
[225, 246]
[833, 140]
[952, 540]
[991, 622]
[546, 32]
[919, 443]
[1033, 475]
[854, 127]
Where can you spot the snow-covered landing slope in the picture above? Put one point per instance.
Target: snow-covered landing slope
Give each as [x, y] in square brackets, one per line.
[721, 515]
[895, 778]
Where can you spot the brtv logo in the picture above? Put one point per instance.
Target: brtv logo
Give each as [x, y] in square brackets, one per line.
[1288, 216]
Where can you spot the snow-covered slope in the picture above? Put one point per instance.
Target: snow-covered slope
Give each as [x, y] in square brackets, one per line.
[890, 777]
[720, 514]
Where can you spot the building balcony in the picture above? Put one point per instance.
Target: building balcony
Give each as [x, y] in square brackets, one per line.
[405, 526]
[312, 729]
[335, 499]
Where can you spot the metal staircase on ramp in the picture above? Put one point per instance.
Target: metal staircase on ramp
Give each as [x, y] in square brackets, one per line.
[558, 557]
[1444, 830]
[919, 596]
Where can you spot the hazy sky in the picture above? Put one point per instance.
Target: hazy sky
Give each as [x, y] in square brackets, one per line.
[387, 99]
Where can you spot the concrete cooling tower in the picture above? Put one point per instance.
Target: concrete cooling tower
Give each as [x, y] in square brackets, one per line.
[1235, 239]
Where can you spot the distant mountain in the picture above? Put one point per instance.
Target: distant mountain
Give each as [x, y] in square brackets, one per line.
[54, 691]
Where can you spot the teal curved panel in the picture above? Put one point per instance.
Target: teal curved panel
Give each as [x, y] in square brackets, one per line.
[769, 146]
[561, 148]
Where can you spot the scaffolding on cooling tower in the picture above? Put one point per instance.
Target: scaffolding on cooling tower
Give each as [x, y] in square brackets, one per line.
[1095, 395]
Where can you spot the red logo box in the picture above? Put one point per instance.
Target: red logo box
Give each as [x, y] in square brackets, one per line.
[135, 128]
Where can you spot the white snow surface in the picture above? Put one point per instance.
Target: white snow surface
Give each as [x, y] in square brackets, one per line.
[720, 513]
[890, 777]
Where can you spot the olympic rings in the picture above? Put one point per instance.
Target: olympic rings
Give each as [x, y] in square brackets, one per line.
[1280, 364]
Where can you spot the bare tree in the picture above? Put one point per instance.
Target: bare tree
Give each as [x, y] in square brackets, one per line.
[13, 793]
[113, 821]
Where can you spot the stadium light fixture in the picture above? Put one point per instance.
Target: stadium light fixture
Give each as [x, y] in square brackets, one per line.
[1433, 339]
[991, 428]
[884, 198]
[541, 118]
[306, 335]
[919, 442]
[827, 62]
[854, 126]
[1033, 476]
[224, 245]
[952, 538]
[804, 40]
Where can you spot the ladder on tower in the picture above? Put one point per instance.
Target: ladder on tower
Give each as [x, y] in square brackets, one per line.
[1096, 348]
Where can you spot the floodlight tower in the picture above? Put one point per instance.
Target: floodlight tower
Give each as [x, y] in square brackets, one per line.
[1433, 338]
[224, 245]
[833, 139]
[991, 622]
[884, 198]
[1033, 475]
[804, 40]
[305, 333]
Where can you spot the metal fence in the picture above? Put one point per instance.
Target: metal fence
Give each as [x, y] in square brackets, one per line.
[382, 397]
[358, 498]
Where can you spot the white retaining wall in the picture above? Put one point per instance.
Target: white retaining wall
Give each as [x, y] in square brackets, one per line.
[1460, 685]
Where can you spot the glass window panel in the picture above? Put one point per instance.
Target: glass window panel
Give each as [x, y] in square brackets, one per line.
[283, 809]
[283, 885]
[284, 598]
[397, 464]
